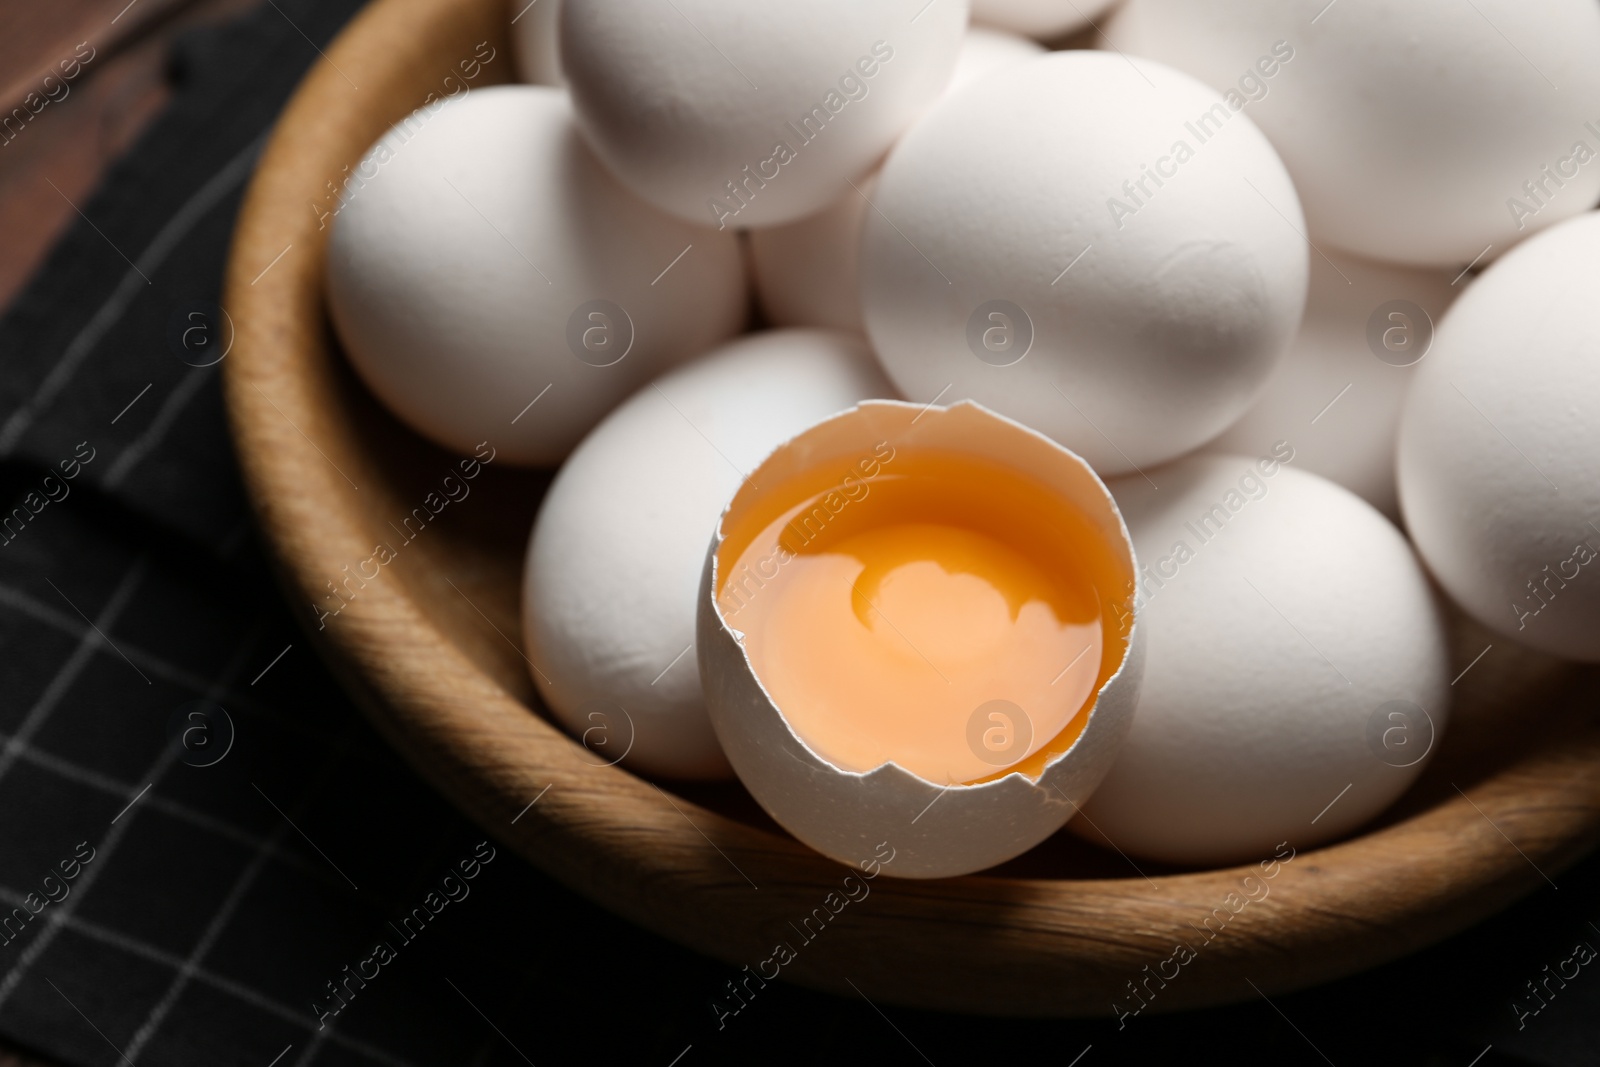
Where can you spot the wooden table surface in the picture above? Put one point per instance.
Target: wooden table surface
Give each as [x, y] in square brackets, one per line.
[51, 167]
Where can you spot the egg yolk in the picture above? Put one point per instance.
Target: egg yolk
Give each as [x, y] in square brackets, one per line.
[944, 612]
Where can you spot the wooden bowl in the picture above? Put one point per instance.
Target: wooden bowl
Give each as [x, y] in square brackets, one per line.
[431, 648]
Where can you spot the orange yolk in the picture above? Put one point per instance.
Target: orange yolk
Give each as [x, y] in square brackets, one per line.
[946, 613]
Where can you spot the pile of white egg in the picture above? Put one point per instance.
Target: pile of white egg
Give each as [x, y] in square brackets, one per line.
[1268, 317]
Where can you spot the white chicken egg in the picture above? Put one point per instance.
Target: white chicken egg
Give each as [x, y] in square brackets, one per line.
[535, 46]
[806, 272]
[614, 562]
[491, 281]
[753, 114]
[1106, 253]
[1498, 445]
[1044, 19]
[1338, 391]
[1297, 670]
[1417, 131]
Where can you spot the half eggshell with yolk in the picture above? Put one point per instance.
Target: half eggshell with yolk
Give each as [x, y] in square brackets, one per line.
[916, 628]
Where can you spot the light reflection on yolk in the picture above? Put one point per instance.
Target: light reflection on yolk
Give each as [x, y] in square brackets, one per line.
[944, 615]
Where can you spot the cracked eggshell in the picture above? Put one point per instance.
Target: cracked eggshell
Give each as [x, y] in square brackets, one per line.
[1338, 391]
[476, 245]
[613, 565]
[806, 272]
[1410, 126]
[843, 814]
[689, 101]
[1044, 19]
[1020, 272]
[1286, 621]
[1498, 445]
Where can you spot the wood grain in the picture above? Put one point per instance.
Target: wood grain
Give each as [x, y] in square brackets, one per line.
[431, 649]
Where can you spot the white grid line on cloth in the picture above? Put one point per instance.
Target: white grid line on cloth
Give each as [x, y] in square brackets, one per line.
[89, 642]
[108, 845]
[268, 846]
[316, 869]
[187, 389]
[160, 668]
[224, 913]
[313, 1048]
[94, 931]
[127, 290]
[66, 768]
[94, 779]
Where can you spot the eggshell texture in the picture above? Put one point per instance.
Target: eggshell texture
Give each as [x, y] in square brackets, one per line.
[1045, 19]
[753, 114]
[1334, 397]
[534, 43]
[806, 272]
[1014, 259]
[1498, 445]
[613, 566]
[482, 261]
[1410, 126]
[1277, 638]
[846, 815]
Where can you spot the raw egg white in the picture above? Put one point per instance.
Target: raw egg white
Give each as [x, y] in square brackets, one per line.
[1498, 445]
[1294, 650]
[806, 272]
[756, 114]
[1338, 391]
[490, 281]
[1417, 131]
[614, 563]
[1025, 254]
[916, 628]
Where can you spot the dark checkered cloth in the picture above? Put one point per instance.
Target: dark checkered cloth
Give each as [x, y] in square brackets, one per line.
[202, 847]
